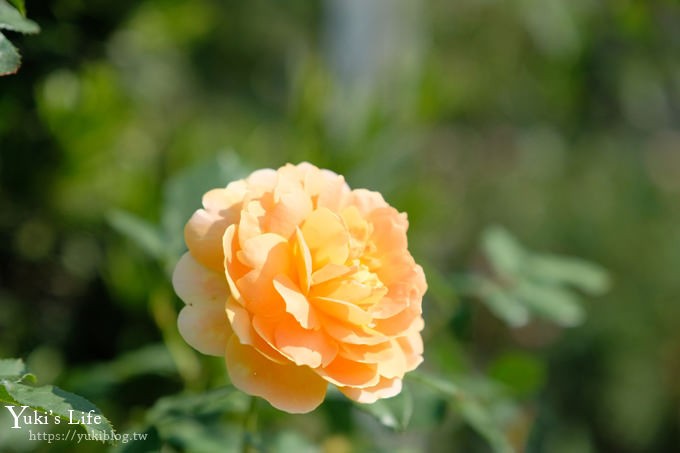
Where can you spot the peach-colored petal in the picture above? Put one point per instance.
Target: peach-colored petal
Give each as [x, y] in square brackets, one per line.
[395, 365]
[235, 270]
[374, 353]
[303, 261]
[386, 388]
[205, 328]
[326, 237]
[296, 302]
[366, 200]
[329, 272]
[347, 372]
[412, 347]
[197, 285]
[291, 388]
[260, 335]
[399, 324]
[290, 210]
[203, 236]
[344, 311]
[304, 347]
[240, 321]
[225, 202]
[260, 250]
[351, 333]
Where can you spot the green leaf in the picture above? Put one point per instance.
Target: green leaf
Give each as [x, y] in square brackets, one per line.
[470, 408]
[394, 413]
[552, 302]
[497, 299]
[12, 368]
[584, 275]
[98, 379]
[20, 5]
[521, 372]
[184, 191]
[12, 19]
[479, 419]
[214, 402]
[10, 60]
[56, 402]
[146, 235]
[503, 251]
[193, 422]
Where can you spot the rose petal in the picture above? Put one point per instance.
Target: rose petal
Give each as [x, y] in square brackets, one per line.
[326, 237]
[289, 211]
[296, 302]
[367, 353]
[203, 236]
[330, 272]
[204, 327]
[344, 311]
[351, 333]
[291, 388]
[304, 347]
[197, 285]
[366, 200]
[344, 372]
[386, 388]
[303, 261]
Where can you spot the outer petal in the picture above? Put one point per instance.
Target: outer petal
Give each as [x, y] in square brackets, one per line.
[386, 388]
[197, 285]
[203, 236]
[205, 328]
[291, 388]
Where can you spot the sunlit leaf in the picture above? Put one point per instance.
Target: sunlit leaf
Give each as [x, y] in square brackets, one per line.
[582, 274]
[502, 250]
[12, 19]
[10, 60]
[146, 235]
[497, 299]
[12, 368]
[15, 370]
[20, 5]
[56, 402]
[552, 302]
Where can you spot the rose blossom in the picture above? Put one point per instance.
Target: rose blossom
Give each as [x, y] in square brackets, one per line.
[299, 281]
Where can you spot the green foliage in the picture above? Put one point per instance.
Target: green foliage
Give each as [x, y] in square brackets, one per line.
[99, 379]
[9, 57]
[475, 413]
[181, 197]
[12, 18]
[49, 400]
[193, 422]
[522, 284]
[394, 413]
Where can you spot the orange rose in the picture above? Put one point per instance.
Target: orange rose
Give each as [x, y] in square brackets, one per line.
[299, 281]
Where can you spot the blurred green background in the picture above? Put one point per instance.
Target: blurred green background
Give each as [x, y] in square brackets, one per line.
[558, 119]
